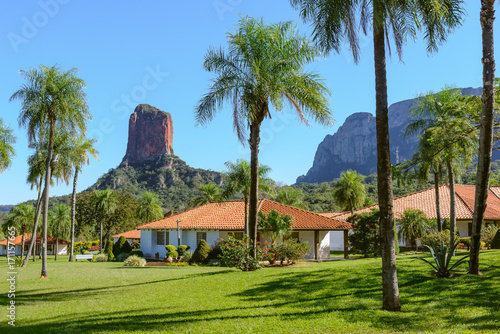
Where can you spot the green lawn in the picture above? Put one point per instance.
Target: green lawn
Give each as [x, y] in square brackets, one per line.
[328, 297]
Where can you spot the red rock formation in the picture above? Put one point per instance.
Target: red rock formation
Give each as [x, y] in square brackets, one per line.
[150, 133]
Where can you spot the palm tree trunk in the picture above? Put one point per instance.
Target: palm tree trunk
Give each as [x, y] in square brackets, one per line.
[22, 243]
[486, 135]
[246, 215]
[32, 246]
[57, 248]
[453, 218]
[73, 210]
[254, 185]
[438, 206]
[390, 288]
[100, 242]
[46, 200]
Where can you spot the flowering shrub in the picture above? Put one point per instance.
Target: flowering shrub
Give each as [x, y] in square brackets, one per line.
[235, 253]
[95, 248]
[136, 245]
[291, 250]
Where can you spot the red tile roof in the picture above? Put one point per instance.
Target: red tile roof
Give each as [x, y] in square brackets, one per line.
[133, 234]
[18, 240]
[231, 216]
[425, 200]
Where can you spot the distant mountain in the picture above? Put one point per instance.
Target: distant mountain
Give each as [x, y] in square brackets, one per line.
[150, 165]
[354, 145]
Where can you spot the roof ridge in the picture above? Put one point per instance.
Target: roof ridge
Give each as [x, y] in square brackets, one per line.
[296, 208]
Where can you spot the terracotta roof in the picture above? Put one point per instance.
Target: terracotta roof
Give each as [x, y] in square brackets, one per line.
[425, 200]
[231, 216]
[133, 234]
[18, 240]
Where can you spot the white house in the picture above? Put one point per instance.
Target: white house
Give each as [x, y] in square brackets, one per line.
[16, 244]
[425, 201]
[217, 220]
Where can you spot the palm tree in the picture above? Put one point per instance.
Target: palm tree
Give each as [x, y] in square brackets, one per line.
[275, 223]
[334, 21]
[413, 225]
[239, 180]
[263, 68]
[7, 139]
[350, 191]
[105, 203]
[83, 149]
[149, 208]
[448, 122]
[209, 192]
[60, 224]
[486, 136]
[51, 99]
[291, 196]
[21, 217]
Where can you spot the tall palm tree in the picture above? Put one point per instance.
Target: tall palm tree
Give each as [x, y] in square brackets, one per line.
[82, 150]
[209, 192]
[60, 224]
[413, 225]
[487, 17]
[105, 203]
[447, 120]
[21, 217]
[149, 207]
[7, 139]
[263, 68]
[51, 99]
[239, 180]
[334, 21]
[350, 191]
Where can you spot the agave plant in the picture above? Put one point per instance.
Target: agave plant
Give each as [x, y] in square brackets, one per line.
[442, 257]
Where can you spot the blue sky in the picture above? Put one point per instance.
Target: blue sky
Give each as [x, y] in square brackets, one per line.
[132, 52]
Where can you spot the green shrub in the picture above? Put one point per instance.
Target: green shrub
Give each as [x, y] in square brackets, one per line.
[200, 255]
[465, 242]
[121, 257]
[95, 243]
[136, 245]
[488, 233]
[365, 239]
[291, 250]
[171, 251]
[134, 261]
[109, 250]
[188, 255]
[215, 253]
[182, 249]
[87, 245]
[19, 261]
[442, 256]
[438, 238]
[137, 253]
[100, 258]
[235, 253]
[214, 262]
[122, 246]
[495, 243]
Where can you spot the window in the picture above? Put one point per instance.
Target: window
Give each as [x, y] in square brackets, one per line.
[238, 235]
[160, 238]
[200, 236]
[167, 238]
[470, 229]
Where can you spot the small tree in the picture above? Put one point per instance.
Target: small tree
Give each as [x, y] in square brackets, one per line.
[276, 224]
[366, 237]
[413, 225]
[109, 250]
[122, 246]
[200, 255]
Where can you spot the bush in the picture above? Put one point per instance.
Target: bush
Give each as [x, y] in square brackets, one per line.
[136, 245]
[122, 257]
[122, 246]
[136, 253]
[95, 248]
[214, 263]
[200, 255]
[215, 253]
[171, 251]
[495, 243]
[465, 242]
[188, 255]
[366, 238]
[442, 257]
[291, 250]
[488, 233]
[109, 250]
[235, 253]
[438, 238]
[101, 258]
[135, 261]
[94, 243]
[182, 249]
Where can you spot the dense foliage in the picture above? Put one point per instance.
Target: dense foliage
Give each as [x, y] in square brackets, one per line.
[121, 246]
[366, 236]
[200, 255]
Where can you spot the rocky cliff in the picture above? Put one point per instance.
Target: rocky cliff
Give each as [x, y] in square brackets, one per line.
[354, 145]
[150, 132]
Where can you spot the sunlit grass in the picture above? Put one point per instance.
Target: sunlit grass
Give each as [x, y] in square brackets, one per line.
[328, 297]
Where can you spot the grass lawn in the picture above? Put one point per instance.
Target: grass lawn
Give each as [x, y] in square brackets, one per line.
[328, 297]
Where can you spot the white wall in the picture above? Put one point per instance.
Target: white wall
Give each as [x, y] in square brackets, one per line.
[463, 228]
[336, 240]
